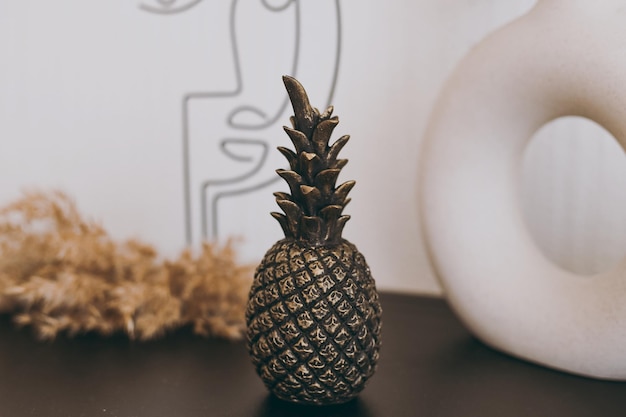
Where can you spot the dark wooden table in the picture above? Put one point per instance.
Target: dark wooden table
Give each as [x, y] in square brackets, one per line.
[430, 366]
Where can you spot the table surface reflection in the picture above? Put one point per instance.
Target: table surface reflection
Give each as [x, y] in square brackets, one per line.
[430, 366]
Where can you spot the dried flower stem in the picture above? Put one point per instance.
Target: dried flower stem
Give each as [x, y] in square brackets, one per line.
[62, 274]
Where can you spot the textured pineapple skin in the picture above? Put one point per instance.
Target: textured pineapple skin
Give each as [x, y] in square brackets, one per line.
[313, 322]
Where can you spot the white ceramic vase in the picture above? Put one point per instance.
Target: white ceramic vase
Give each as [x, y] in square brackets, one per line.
[565, 57]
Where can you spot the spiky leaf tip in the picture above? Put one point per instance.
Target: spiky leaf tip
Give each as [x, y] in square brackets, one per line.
[313, 210]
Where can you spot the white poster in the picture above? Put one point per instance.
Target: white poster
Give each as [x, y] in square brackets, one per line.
[161, 119]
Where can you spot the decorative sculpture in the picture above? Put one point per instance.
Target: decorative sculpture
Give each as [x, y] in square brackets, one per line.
[313, 316]
[562, 58]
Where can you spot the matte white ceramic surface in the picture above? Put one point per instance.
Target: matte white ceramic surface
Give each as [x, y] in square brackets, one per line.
[565, 57]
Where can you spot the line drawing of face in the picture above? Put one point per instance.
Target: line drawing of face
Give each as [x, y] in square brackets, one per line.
[169, 6]
[243, 121]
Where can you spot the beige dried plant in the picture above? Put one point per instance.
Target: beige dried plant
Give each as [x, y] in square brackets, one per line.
[62, 274]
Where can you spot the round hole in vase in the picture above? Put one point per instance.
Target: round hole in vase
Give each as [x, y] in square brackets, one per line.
[573, 195]
[538, 68]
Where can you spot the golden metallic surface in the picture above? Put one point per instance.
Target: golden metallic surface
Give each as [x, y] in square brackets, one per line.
[313, 316]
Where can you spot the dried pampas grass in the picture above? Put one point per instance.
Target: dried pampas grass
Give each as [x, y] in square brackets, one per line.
[62, 274]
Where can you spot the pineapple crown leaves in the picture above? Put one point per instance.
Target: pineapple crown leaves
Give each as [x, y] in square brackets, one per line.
[313, 209]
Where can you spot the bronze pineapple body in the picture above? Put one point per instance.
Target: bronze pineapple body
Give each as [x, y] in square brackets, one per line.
[314, 322]
[313, 316]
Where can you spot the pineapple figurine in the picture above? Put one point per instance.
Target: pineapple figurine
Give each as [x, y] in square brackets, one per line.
[313, 316]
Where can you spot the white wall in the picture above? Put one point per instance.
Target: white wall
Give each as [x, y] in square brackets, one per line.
[91, 102]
